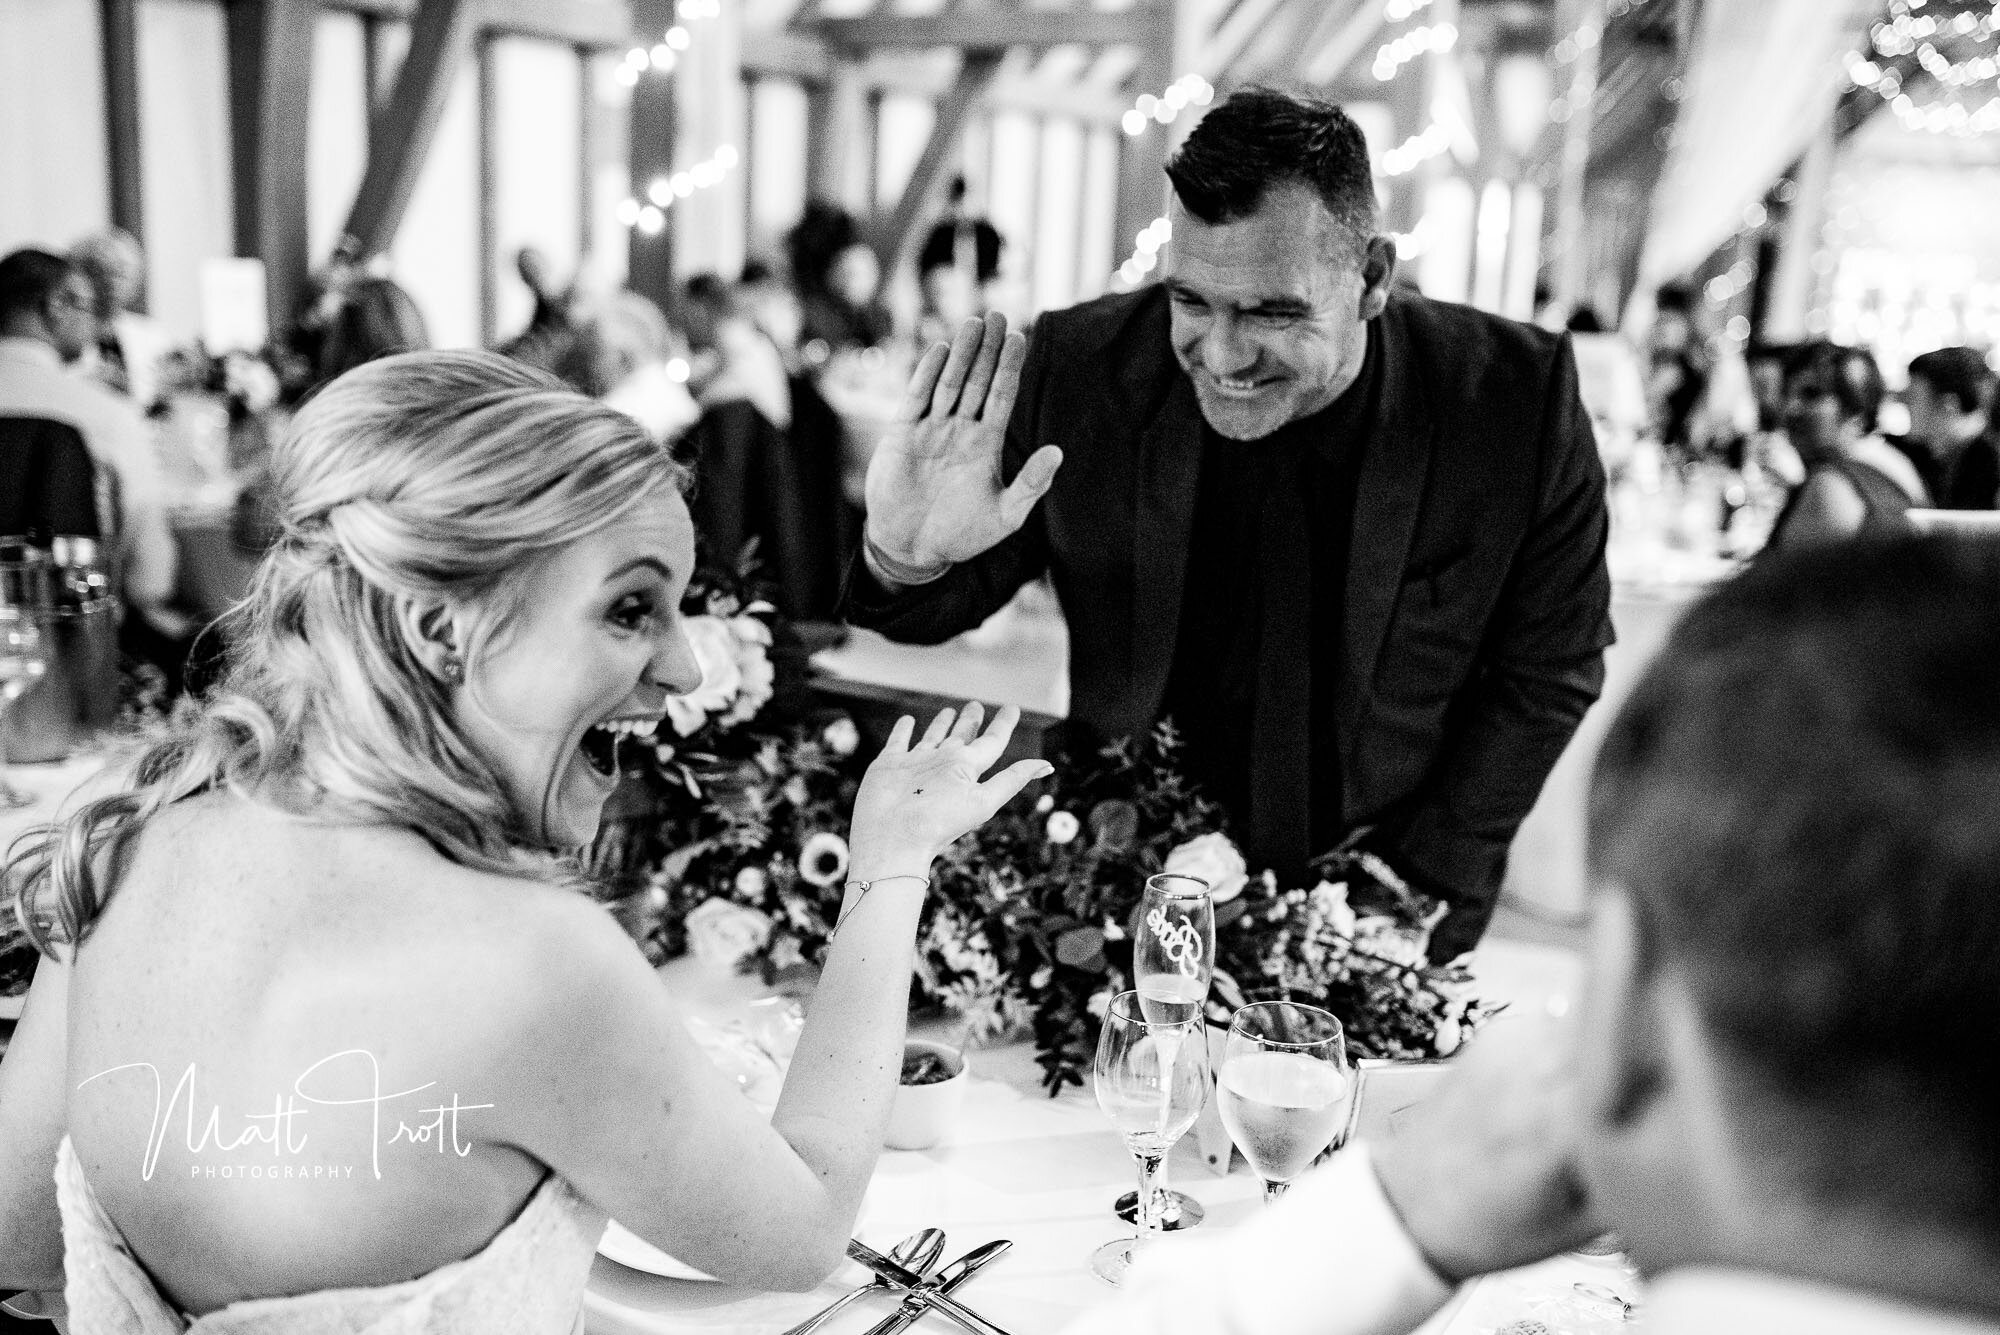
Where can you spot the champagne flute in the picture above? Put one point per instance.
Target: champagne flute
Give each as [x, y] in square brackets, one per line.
[1151, 1079]
[22, 663]
[1173, 962]
[1284, 1088]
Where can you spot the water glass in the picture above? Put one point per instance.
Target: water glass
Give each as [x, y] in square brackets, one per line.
[23, 661]
[1284, 1088]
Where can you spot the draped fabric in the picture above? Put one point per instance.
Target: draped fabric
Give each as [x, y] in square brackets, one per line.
[1762, 79]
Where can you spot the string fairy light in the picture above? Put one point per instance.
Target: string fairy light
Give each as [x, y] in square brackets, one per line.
[1418, 149]
[1431, 39]
[1147, 109]
[1145, 256]
[648, 215]
[1928, 33]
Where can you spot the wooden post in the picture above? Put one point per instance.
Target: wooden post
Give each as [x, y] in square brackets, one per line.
[121, 116]
[841, 146]
[1142, 158]
[655, 127]
[487, 112]
[1572, 275]
[270, 72]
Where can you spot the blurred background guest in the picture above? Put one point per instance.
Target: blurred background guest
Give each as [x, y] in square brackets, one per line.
[47, 322]
[620, 349]
[1697, 387]
[771, 303]
[375, 318]
[551, 324]
[1951, 437]
[839, 281]
[1854, 481]
[130, 344]
[956, 267]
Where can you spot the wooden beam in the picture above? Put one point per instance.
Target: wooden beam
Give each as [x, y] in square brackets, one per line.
[841, 144]
[119, 19]
[270, 71]
[1331, 52]
[986, 29]
[590, 23]
[400, 138]
[787, 55]
[1233, 36]
[899, 236]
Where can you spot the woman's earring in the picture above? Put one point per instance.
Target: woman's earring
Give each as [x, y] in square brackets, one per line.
[454, 669]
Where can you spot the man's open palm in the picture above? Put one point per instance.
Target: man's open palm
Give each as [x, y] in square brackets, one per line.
[935, 495]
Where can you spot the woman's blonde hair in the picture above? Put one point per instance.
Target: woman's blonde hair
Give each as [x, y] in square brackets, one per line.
[426, 478]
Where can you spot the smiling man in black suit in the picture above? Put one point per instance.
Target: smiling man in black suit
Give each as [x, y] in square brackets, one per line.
[1349, 539]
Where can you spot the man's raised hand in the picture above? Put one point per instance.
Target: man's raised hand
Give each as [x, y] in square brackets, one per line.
[935, 495]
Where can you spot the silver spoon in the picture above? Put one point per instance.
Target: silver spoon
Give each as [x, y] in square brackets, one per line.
[919, 1251]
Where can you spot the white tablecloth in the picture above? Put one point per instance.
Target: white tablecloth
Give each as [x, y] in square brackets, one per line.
[1042, 1172]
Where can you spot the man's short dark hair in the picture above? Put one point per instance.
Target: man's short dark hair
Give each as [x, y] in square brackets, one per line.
[1961, 373]
[1260, 137]
[1802, 798]
[28, 278]
[1851, 373]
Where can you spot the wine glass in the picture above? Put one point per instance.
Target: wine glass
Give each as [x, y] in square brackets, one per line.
[1284, 1088]
[22, 663]
[1173, 962]
[1151, 1079]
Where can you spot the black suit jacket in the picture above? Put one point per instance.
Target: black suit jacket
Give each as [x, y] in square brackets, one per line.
[1477, 600]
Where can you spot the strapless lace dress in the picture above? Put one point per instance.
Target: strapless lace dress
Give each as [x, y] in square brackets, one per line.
[527, 1281]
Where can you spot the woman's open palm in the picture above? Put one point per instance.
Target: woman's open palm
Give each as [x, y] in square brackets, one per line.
[926, 793]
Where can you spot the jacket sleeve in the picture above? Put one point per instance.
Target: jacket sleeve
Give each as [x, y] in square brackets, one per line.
[1541, 666]
[970, 591]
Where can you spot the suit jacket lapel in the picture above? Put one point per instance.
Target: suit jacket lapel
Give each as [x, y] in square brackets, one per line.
[1164, 484]
[1395, 474]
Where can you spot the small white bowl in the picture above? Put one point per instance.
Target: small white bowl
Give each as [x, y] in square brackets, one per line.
[922, 1114]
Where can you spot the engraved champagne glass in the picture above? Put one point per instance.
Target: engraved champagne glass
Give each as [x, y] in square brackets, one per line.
[1173, 963]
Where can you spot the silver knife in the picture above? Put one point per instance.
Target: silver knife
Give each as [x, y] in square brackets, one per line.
[948, 1279]
[907, 1279]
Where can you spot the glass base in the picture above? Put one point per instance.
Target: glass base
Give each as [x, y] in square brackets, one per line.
[1183, 1210]
[1113, 1260]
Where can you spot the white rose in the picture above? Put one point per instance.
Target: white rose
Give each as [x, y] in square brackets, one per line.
[1330, 902]
[757, 677]
[723, 933]
[841, 737]
[715, 651]
[1211, 858]
[1062, 827]
[1386, 939]
[751, 881]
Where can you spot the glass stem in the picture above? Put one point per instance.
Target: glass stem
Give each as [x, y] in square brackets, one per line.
[1149, 1201]
[1273, 1190]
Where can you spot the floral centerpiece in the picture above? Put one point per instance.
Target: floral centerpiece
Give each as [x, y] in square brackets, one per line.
[733, 832]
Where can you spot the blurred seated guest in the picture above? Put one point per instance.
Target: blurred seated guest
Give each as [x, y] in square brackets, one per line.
[551, 326]
[375, 817]
[376, 318]
[839, 283]
[1951, 439]
[765, 454]
[1613, 388]
[620, 350]
[774, 307]
[1781, 1094]
[1854, 482]
[47, 322]
[1698, 388]
[130, 345]
[956, 267]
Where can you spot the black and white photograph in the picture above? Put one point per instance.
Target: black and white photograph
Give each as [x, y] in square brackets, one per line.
[1025, 667]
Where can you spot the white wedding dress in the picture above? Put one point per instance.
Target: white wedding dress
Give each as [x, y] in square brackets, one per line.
[527, 1281]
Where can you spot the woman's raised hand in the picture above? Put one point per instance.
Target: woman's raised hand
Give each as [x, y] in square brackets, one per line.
[919, 796]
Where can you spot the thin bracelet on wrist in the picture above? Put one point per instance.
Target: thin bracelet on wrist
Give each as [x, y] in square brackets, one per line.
[894, 571]
[865, 887]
